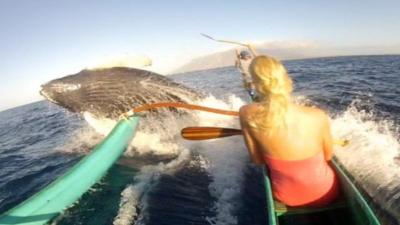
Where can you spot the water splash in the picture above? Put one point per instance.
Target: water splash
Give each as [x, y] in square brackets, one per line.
[371, 155]
[226, 174]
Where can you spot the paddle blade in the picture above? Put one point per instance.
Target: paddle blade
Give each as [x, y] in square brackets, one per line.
[208, 36]
[341, 142]
[204, 133]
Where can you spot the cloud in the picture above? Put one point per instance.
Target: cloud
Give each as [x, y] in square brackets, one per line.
[126, 60]
[278, 49]
[287, 45]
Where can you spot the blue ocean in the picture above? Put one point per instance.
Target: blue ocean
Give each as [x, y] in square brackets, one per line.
[183, 182]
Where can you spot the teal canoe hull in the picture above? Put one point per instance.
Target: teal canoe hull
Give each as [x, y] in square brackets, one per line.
[67, 189]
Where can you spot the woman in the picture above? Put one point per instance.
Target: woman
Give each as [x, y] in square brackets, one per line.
[293, 141]
[242, 63]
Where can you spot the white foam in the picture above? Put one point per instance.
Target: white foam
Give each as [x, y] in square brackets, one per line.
[102, 126]
[226, 159]
[81, 141]
[370, 156]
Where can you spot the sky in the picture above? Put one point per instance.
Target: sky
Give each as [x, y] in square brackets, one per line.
[44, 39]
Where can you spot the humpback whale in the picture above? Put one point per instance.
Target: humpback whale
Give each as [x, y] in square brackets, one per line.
[104, 94]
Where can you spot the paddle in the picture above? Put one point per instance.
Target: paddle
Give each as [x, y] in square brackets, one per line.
[252, 50]
[205, 133]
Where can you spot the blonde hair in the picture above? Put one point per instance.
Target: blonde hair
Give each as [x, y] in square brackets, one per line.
[274, 88]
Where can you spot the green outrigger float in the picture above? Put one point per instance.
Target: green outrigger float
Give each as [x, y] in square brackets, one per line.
[67, 189]
[352, 208]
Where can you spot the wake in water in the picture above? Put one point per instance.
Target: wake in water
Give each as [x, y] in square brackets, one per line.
[223, 159]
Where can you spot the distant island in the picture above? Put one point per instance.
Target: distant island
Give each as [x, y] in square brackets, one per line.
[283, 51]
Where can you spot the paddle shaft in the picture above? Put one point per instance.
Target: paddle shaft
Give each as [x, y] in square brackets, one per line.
[205, 133]
[252, 50]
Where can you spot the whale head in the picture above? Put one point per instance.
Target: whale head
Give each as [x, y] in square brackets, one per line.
[107, 93]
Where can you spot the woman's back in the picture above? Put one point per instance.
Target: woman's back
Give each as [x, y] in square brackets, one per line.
[306, 182]
[302, 137]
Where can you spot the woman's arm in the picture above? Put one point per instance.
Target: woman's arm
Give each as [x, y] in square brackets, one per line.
[255, 154]
[237, 60]
[252, 50]
[237, 64]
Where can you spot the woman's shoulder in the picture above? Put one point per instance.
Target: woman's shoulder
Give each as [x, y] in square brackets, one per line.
[248, 109]
[313, 112]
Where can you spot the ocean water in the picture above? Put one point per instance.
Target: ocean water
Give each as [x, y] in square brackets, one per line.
[209, 182]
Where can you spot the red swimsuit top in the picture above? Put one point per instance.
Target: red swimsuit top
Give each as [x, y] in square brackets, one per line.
[306, 182]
